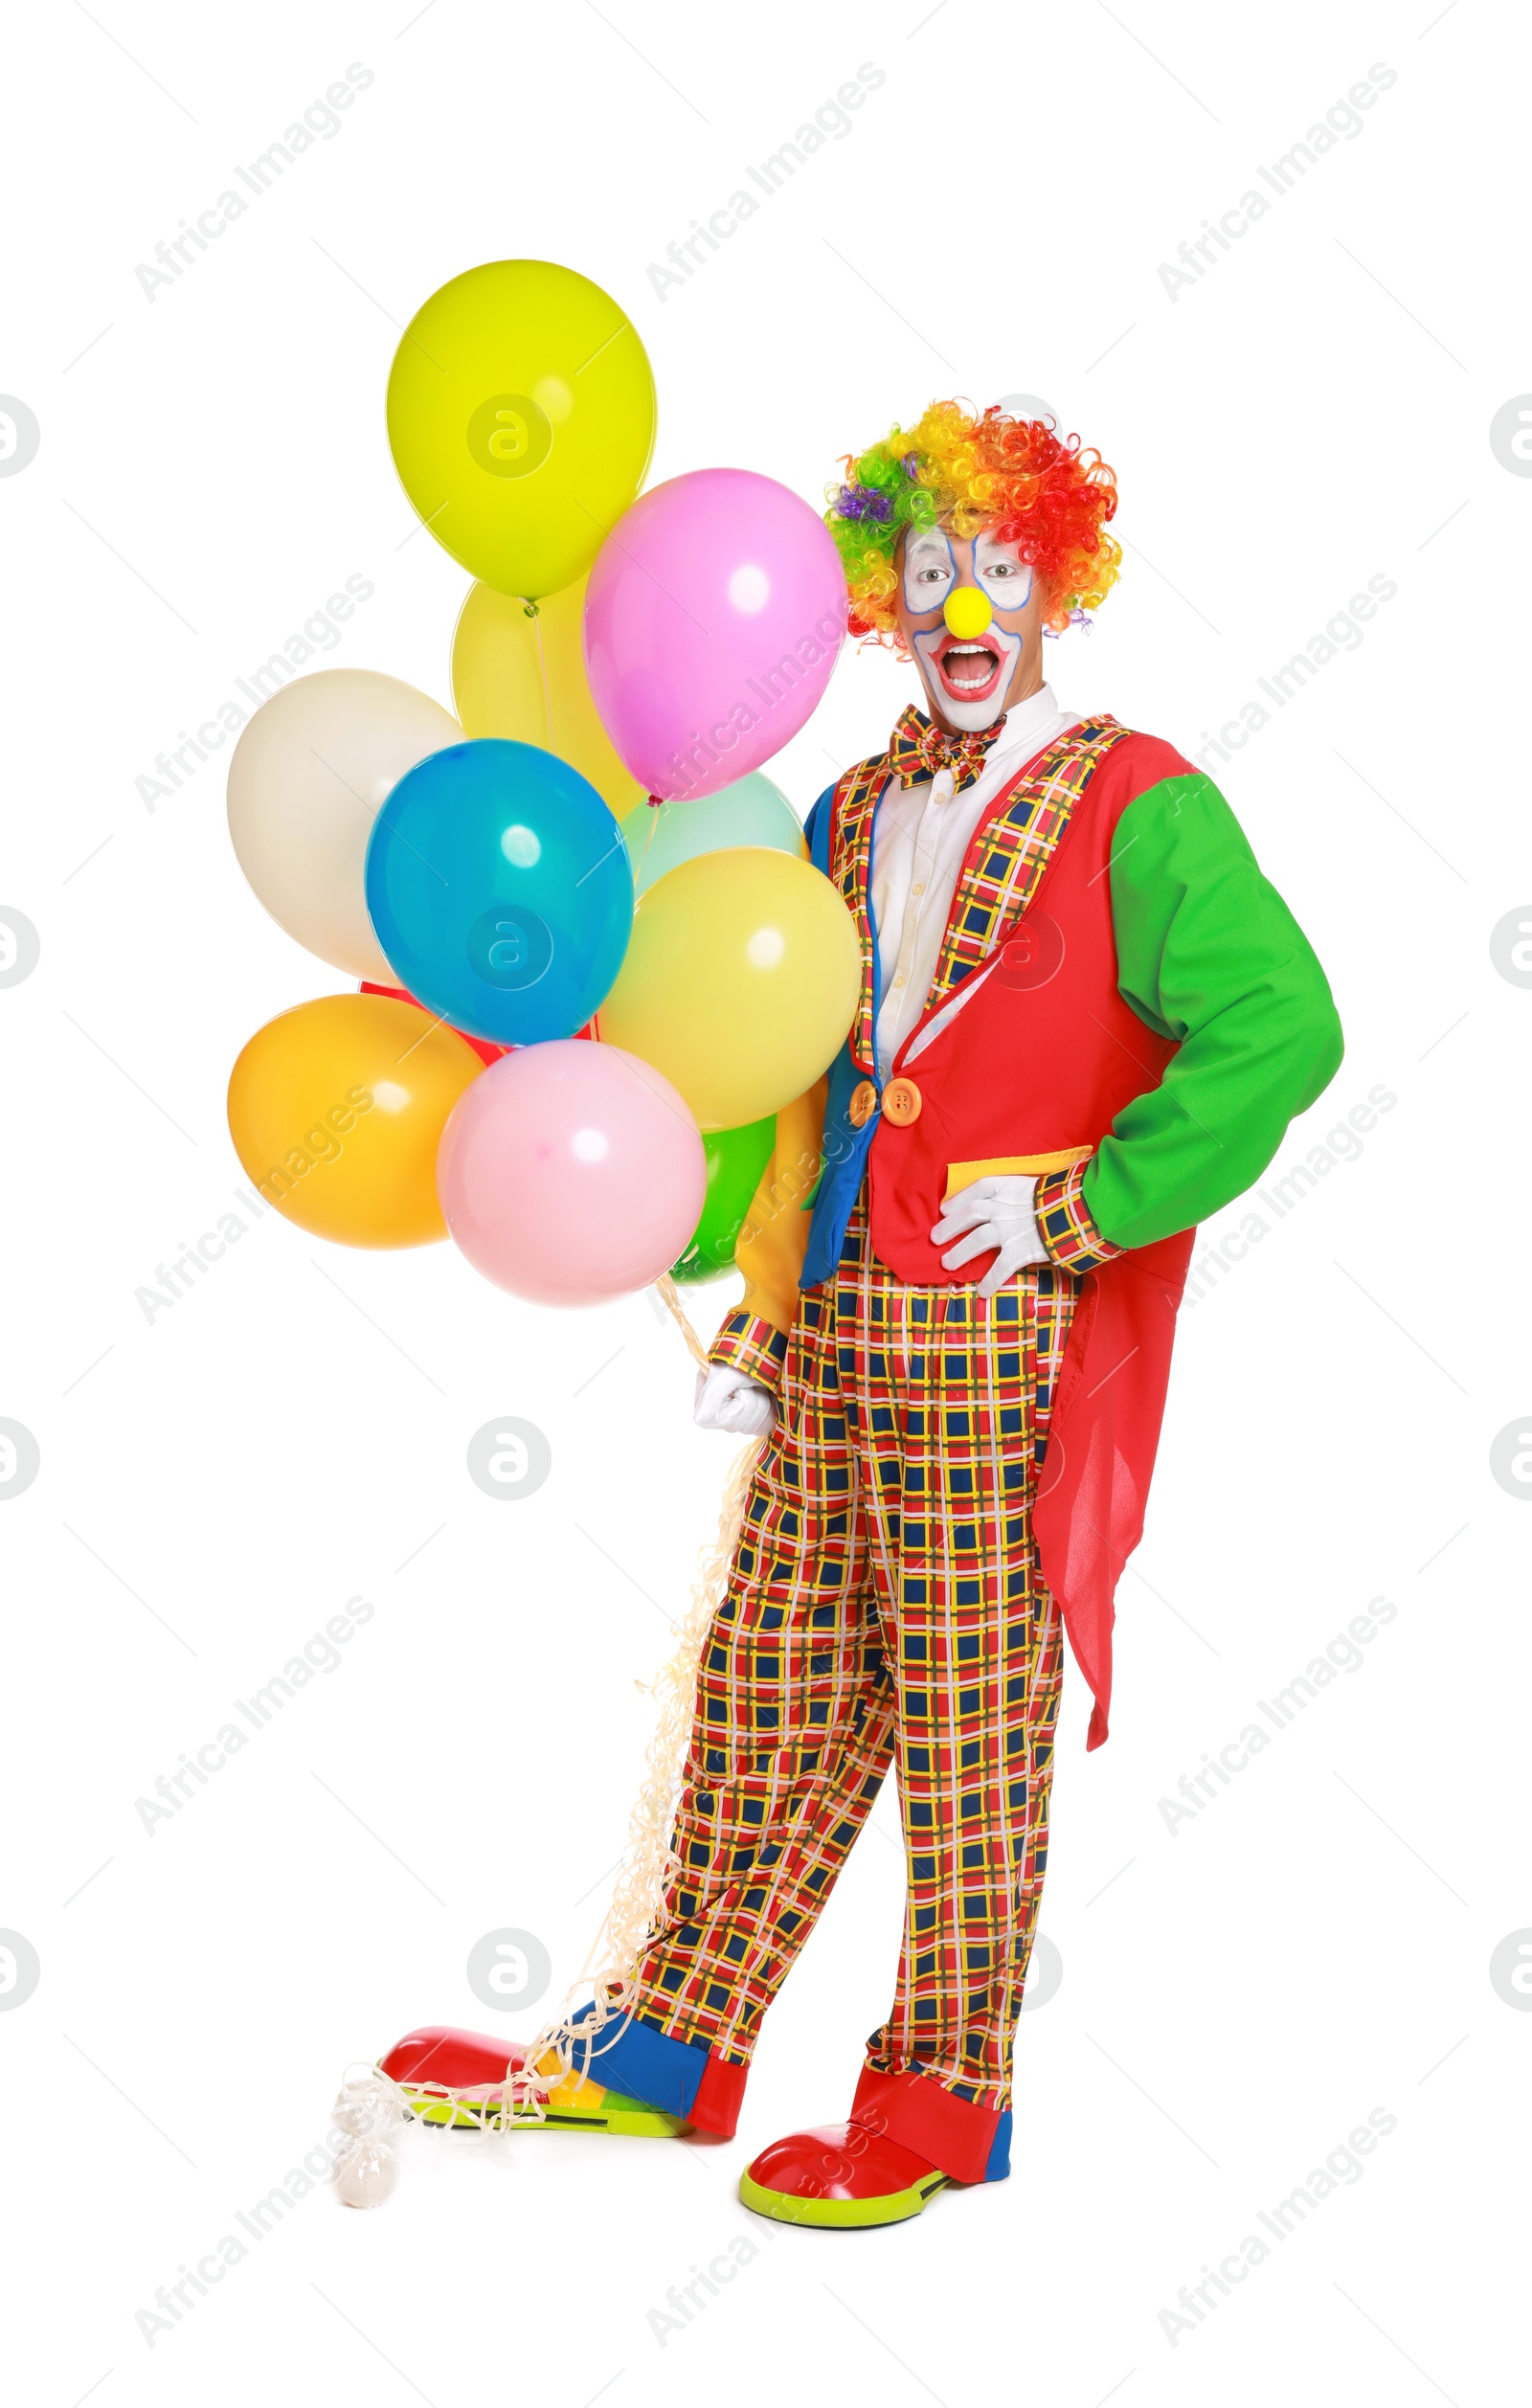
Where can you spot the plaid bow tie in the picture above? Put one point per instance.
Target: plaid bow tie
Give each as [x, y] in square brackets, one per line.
[917, 749]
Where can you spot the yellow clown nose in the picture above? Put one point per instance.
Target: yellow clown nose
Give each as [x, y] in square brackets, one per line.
[967, 612]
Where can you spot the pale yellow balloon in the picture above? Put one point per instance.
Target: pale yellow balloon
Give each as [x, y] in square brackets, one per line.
[309, 776]
[739, 983]
[525, 678]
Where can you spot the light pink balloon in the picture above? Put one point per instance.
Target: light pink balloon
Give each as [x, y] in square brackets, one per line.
[712, 619]
[571, 1172]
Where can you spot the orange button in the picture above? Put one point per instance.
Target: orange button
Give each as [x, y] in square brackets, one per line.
[863, 1104]
[901, 1102]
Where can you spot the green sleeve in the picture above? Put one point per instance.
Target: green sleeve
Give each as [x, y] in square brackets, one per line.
[1210, 953]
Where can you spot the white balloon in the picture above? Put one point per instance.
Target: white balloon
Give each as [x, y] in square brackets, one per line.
[309, 776]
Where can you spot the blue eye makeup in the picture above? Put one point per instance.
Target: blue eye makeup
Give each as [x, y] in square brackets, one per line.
[930, 572]
[1005, 578]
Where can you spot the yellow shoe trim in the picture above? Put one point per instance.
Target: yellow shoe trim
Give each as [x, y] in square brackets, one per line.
[576, 2094]
[577, 2105]
[783, 2207]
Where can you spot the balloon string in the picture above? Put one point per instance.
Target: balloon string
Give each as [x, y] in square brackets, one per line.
[641, 1904]
[548, 704]
[669, 1295]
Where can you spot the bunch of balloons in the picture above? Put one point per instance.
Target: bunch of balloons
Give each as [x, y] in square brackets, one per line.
[595, 961]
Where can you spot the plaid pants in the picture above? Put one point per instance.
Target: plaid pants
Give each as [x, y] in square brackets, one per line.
[884, 1604]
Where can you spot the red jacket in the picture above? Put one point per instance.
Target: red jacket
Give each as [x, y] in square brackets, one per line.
[1050, 999]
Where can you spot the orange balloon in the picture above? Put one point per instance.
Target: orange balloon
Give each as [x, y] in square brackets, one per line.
[336, 1110]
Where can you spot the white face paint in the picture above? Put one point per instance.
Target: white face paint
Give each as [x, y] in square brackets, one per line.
[1001, 571]
[929, 570]
[967, 681]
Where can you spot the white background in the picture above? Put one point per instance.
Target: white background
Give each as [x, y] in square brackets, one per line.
[1238, 1994]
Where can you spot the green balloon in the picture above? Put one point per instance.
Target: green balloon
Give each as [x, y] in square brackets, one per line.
[735, 1161]
[752, 811]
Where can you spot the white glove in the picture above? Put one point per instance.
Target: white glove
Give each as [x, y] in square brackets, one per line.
[998, 1213]
[727, 1400]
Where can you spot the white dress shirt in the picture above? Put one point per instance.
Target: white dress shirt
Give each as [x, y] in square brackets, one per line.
[922, 836]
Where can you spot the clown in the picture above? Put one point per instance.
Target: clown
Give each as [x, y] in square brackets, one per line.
[1086, 1020]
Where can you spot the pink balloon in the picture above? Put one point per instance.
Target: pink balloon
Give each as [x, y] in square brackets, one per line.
[571, 1173]
[712, 619]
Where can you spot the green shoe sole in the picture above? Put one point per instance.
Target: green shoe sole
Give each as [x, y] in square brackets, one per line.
[895, 2207]
[617, 2114]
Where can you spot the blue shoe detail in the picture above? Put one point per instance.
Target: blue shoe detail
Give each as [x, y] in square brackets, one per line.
[645, 2065]
[997, 2165]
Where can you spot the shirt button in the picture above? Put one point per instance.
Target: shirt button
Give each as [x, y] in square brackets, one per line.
[920, 887]
[899, 980]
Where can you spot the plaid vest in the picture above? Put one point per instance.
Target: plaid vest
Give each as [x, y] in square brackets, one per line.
[1007, 858]
[1036, 1061]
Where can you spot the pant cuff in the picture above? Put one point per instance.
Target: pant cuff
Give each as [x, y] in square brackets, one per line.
[968, 2142]
[682, 2078]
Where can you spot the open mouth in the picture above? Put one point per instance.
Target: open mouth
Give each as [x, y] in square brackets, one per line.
[969, 672]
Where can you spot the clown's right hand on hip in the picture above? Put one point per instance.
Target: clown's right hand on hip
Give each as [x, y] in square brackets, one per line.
[726, 1399]
[996, 1213]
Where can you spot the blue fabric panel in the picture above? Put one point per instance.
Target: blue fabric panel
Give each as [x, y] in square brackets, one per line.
[647, 2065]
[845, 1148]
[999, 2163]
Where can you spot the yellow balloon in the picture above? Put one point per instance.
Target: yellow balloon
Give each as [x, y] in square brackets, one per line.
[521, 420]
[336, 1110]
[739, 981]
[525, 678]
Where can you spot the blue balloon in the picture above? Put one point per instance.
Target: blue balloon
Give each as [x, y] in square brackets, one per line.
[500, 888]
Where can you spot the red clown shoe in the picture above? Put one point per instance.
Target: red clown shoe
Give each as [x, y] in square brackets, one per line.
[906, 2138]
[458, 2078]
[839, 2175]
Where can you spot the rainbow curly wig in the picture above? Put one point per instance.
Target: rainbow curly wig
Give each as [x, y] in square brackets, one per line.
[966, 470]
